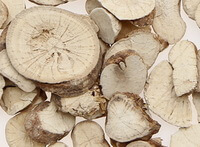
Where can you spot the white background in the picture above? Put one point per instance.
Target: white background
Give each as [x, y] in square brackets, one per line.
[192, 34]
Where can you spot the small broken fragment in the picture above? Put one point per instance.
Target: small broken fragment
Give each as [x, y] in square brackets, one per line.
[127, 119]
[45, 124]
[190, 7]
[3, 13]
[90, 134]
[183, 58]
[91, 5]
[109, 26]
[58, 144]
[49, 2]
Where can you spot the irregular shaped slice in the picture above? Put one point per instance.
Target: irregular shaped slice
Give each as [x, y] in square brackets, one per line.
[123, 72]
[190, 7]
[160, 94]
[15, 100]
[109, 26]
[14, 7]
[58, 144]
[196, 101]
[143, 42]
[90, 105]
[7, 70]
[3, 13]
[129, 9]
[167, 22]
[186, 137]
[91, 5]
[3, 39]
[197, 15]
[184, 62]
[46, 125]
[88, 133]
[127, 119]
[49, 2]
[61, 52]
[2, 85]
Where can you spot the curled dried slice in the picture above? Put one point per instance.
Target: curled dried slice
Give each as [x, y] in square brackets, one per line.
[15, 100]
[129, 9]
[90, 105]
[46, 125]
[91, 5]
[168, 23]
[49, 2]
[186, 137]
[3, 13]
[58, 144]
[88, 133]
[184, 62]
[109, 26]
[143, 42]
[190, 7]
[8, 71]
[127, 119]
[196, 101]
[160, 94]
[123, 72]
[2, 85]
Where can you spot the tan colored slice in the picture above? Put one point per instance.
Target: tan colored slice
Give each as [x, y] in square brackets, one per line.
[123, 72]
[186, 137]
[168, 23]
[7, 70]
[109, 26]
[14, 100]
[190, 7]
[3, 13]
[129, 9]
[162, 100]
[91, 5]
[90, 134]
[46, 125]
[127, 119]
[49, 2]
[2, 85]
[58, 144]
[183, 59]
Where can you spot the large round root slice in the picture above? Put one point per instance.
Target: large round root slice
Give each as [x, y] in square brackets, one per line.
[162, 99]
[15, 100]
[88, 133]
[90, 105]
[3, 13]
[143, 42]
[52, 45]
[190, 7]
[8, 71]
[123, 72]
[109, 26]
[49, 2]
[58, 144]
[183, 57]
[186, 137]
[168, 23]
[127, 119]
[44, 124]
[91, 5]
[129, 9]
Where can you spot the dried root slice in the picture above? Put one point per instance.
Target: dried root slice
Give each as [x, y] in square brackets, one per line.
[14, 7]
[162, 100]
[7, 70]
[2, 85]
[186, 137]
[58, 144]
[196, 101]
[150, 143]
[109, 26]
[90, 105]
[127, 120]
[88, 133]
[197, 15]
[3, 13]
[190, 7]
[123, 72]
[129, 9]
[3, 39]
[168, 23]
[15, 100]
[143, 42]
[184, 62]
[49, 2]
[91, 5]
[44, 124]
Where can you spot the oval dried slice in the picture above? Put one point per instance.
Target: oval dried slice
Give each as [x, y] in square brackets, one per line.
[49, 2]
[129, 9]
[167, 22]
[123, 72]
[190, 7]
[46, 125]
[186, 137]
[3, 13]
[127, 119]
[183, 58]
[58, 144]
[91, 5]
[160, 94]
[8, 71]
[88, 133]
